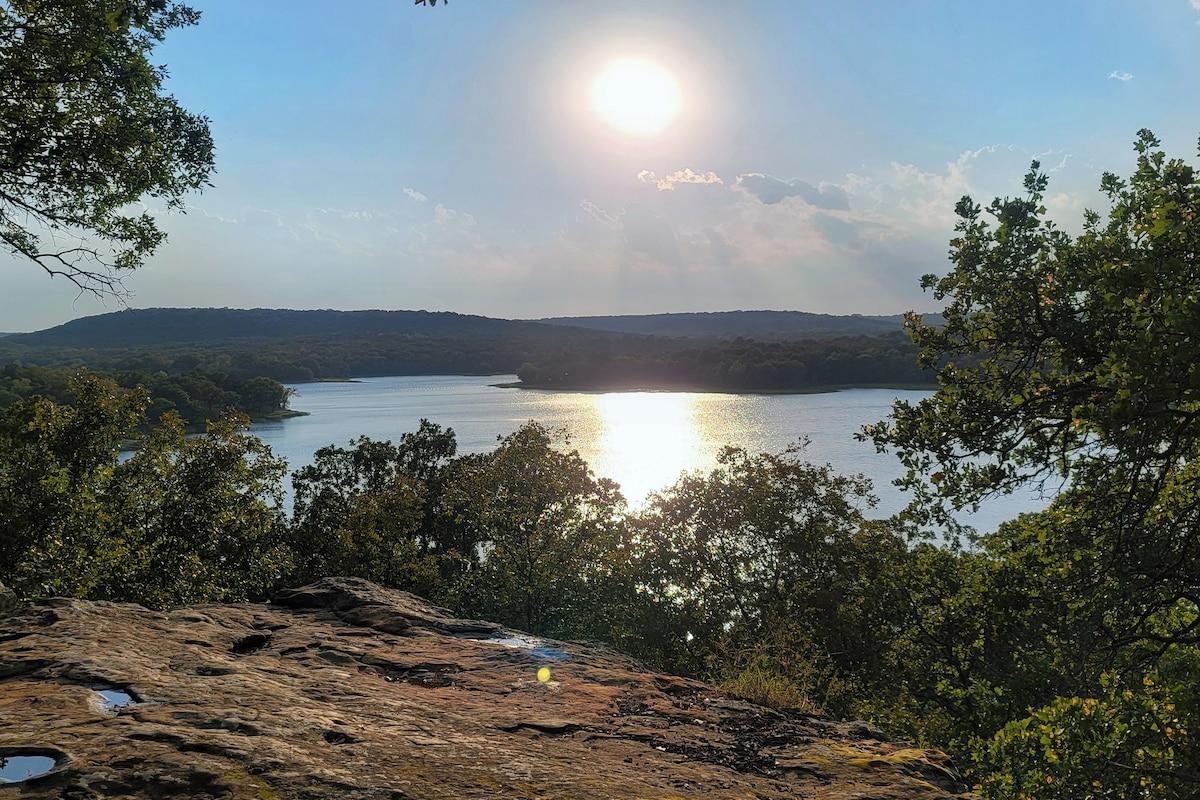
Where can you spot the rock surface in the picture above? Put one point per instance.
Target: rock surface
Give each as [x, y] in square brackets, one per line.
[344, 689]
[8, 598]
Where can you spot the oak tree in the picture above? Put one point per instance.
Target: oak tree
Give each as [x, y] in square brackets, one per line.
[88, 131]
[1073, 362]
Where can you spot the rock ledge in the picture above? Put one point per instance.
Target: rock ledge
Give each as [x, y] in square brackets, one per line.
[345, 689]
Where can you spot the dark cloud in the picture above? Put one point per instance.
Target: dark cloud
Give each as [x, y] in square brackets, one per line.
[851, 234]
[770, 190]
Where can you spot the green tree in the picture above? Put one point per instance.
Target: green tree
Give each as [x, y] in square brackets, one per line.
[549, 533]
[56, 461]
[194, 519]
[1084, 369]
[1070, 362]
[1066, 359]
[374, 511]
[1133, 740]
[87, 130]
[184, 520]
[771, 548]
[262, 396]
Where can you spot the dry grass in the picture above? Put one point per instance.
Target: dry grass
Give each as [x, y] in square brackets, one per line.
[767, 688]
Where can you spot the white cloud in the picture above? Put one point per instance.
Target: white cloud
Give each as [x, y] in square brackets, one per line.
[211, 215]
[415, 195]
[667, 182]
[1123, 77]
[332, 233]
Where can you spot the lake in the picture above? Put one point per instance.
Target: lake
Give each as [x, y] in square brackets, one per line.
[642, 440]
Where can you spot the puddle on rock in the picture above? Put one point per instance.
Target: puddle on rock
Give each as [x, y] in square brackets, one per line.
[520, 641]
[15, 769]
[112, 699]
[517, 641]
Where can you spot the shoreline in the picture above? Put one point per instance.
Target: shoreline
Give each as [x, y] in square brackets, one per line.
[826, 389]
[133, 445]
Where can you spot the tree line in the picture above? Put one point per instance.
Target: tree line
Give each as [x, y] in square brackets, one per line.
[544, 356]
[194, 396]
[737, 365]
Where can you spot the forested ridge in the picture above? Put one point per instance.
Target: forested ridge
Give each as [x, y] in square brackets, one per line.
[297, 346]
[165, 326]
[152, 327]
[768, 325]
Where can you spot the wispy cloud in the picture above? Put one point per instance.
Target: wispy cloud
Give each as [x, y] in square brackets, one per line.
[415, 195]
[444, 216]
[1125, 77]
[597, 213]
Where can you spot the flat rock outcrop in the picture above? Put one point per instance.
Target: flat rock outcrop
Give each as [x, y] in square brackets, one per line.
[345, 689]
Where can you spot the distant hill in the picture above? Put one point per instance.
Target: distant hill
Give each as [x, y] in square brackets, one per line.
[156, 327]
[295, 346]
[152, 327]
[726, 351]
[750, 324]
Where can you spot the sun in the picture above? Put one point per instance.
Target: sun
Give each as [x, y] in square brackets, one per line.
[637, 96]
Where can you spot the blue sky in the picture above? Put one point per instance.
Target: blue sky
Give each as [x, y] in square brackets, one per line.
[375, 154]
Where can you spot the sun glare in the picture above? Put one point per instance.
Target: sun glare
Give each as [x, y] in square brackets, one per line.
[648, 438]
[636, 96]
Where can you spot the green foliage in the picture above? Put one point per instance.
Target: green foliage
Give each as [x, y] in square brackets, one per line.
[196, 396]
[183, 520]
[768, 543]
[1085, 347]
[547, 531]
[523, 535]
[56, 463]
[373, 511]
[1133, 741]
[89, 131]
[194, 519]
[1054, 652]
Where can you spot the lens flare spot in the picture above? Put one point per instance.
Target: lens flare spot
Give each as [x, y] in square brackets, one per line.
[544, 674]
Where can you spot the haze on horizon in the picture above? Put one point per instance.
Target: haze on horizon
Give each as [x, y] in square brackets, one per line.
[538, 158]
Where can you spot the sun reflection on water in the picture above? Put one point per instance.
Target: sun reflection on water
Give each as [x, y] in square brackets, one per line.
[642, 440]
[648, 438]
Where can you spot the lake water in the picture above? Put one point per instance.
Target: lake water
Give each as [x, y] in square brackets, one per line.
[642, 440]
